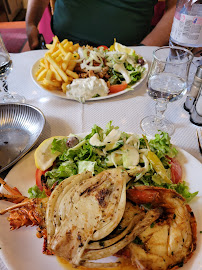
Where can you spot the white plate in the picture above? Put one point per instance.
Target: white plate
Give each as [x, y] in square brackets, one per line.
[22, 250]
[60, 94]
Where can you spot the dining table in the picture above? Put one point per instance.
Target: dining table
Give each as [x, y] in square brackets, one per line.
[64, 116]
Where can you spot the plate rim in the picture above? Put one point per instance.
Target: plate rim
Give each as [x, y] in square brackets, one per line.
[60, 94]
[26, 150]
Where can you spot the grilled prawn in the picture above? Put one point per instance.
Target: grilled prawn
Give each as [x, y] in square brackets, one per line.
[171, 240]
[25, 212]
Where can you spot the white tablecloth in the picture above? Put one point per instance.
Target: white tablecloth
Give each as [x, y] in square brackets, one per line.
[126, 111]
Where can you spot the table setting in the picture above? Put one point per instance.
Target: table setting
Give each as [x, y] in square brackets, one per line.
[59, 116]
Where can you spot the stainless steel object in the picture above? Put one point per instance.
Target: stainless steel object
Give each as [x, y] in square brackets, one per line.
[192, 95]
[196, 110]
[20, 127]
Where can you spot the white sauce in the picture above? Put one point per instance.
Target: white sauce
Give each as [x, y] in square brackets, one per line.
[84, 89]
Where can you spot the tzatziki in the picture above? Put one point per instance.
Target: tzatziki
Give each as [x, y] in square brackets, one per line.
[84, 89]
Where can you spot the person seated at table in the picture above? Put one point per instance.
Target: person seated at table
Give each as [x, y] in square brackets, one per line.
[99, 22]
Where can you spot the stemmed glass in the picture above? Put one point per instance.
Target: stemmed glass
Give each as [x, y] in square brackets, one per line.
[6, 66]
[167, 82]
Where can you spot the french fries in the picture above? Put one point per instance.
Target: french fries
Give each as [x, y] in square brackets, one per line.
[56, 69]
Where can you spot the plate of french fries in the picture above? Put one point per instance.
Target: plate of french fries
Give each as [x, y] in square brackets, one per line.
[59, 68]
[54, 71]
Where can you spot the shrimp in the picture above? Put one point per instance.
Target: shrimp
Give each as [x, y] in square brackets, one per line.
[171, 240]
[28, 212]
[25, 212]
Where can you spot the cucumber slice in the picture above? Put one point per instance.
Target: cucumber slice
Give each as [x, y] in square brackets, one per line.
[112, 137]
[130, 156]
[114, 159]
[114, 146]
[95, 141]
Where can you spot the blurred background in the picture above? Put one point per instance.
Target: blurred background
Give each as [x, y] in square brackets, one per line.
[13, 28]
[12, 25]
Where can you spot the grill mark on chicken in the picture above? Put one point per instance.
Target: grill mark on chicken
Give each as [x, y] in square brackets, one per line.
[101, 196]
[95, 186]
[90, 189]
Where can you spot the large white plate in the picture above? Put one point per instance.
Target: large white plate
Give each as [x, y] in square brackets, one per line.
[60, 94]
[22, 250]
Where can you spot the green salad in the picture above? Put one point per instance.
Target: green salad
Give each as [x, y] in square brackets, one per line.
[149, 162]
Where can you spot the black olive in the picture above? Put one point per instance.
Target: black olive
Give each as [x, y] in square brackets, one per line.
[140, 61]
[72, 141]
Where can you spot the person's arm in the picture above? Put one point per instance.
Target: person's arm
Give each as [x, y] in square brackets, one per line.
[159, 36]
[35, 10]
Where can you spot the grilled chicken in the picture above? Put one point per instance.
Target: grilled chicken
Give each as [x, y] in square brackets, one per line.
[84, 208]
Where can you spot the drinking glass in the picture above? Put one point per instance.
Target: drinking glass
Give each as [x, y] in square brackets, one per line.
[167, 82]
[6, 66]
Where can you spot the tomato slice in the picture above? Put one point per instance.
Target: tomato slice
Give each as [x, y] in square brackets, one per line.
[117, 87]
[104, 47]
[38, 176]
[176, 170]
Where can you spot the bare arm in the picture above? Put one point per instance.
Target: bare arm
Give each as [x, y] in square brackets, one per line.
[35, 10]
[159, 36]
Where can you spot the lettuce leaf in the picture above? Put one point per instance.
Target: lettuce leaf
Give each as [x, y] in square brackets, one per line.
[35, 192]
[162, 146]
[64, 170]
[59, 145]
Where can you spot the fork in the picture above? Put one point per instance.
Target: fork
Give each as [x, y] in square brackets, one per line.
[198, 138]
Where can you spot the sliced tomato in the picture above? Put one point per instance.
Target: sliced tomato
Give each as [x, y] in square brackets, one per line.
[176, 170]
[38, 176]
[104, 47]
[117, 87]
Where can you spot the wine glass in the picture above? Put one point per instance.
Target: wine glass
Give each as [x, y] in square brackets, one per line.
[6, 66]
[167, 82]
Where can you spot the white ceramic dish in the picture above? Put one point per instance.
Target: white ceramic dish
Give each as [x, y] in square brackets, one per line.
[60, 94]
[22, 250]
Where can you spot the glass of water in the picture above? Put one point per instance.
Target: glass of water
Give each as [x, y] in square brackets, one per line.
[6, 66]
[167, 82]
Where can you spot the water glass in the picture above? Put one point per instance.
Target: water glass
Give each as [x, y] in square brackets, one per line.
[167, 82]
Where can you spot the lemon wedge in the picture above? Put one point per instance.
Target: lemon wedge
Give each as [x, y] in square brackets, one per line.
[43, 155]
[121, 48]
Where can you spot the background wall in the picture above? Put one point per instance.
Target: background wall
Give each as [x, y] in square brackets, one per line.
[25, 3]
[12, 10]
